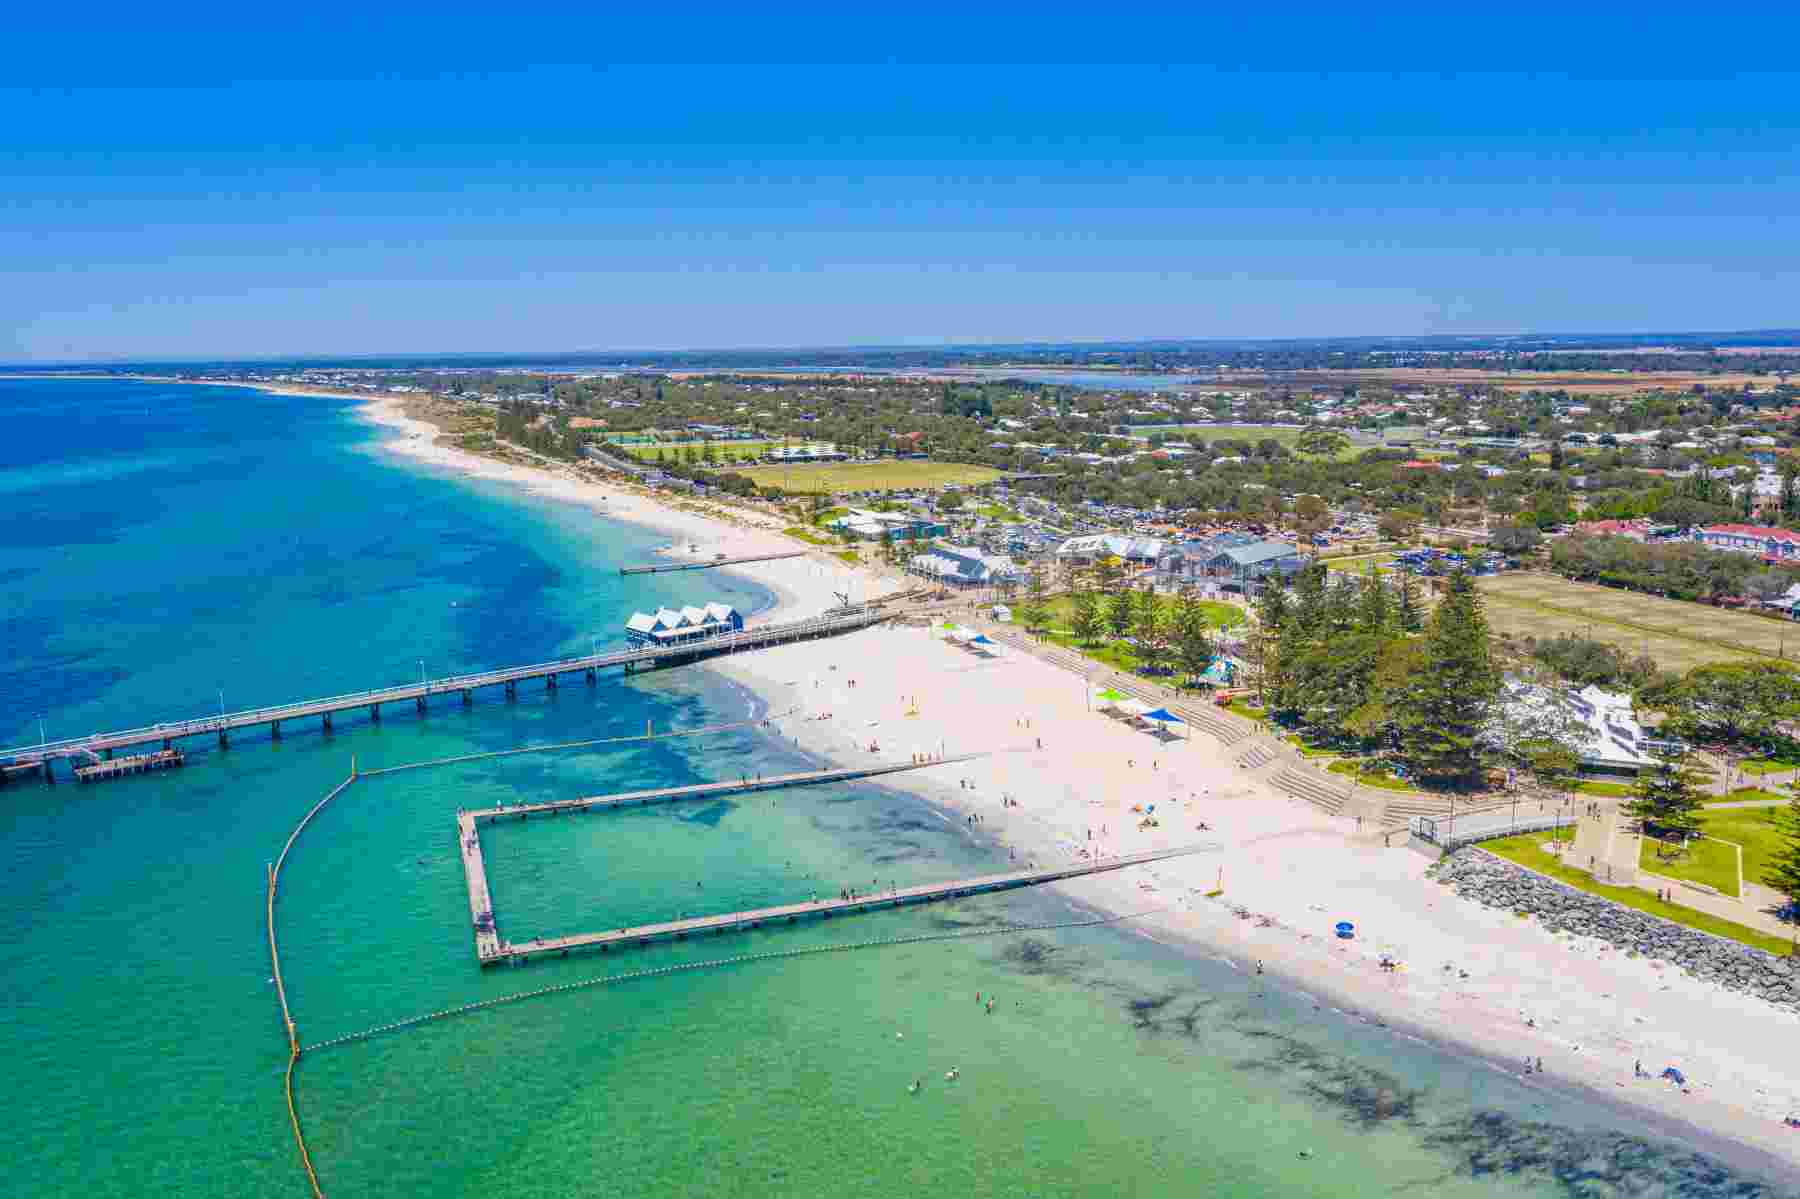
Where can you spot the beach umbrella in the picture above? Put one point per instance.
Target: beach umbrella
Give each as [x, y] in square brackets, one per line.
[1163, 715]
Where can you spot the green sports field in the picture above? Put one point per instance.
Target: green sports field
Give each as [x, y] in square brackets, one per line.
[1677, 634]
[831, 478]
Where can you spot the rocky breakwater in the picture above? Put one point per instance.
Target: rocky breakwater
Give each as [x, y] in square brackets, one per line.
[1497, 883]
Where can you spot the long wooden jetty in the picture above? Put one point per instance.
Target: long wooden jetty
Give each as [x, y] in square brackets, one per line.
[39, 758]
[707, 564]
[678, 930]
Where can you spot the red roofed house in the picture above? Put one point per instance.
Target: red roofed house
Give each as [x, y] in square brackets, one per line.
[1774, 544]
[1422, 464]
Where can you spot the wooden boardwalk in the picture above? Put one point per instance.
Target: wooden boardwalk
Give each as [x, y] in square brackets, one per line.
[41, 756]
[737, 786]
[677, 930]
[481, 904]
[660, 567]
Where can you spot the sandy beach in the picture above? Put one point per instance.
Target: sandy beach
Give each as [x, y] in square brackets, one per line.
[1062, 780]
[1470, 976]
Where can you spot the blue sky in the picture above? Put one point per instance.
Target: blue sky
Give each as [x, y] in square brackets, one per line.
[213, 184]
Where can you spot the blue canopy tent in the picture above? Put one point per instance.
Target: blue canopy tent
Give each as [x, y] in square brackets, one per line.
[1164, 717]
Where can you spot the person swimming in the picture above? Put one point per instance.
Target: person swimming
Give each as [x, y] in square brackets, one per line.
[916, 1084]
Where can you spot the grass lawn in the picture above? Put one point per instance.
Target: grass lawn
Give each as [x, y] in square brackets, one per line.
[1767, 766]
[1246, 709]
[1526, 851]
[723, 451]
[1360, 563]
[1704, 861]
[1376, 777]
[1616, 790]
[837, 477]
[1219, 615]
[1060, 610]
[807, 535]
[996, 512]
[1112, 653]
[1309, 750]
[1255, 433]
[1752, 828]
[1677, 634]
[1743, 794]
[850, 556]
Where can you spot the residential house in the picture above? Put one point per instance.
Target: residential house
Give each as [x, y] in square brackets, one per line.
[1774, 545]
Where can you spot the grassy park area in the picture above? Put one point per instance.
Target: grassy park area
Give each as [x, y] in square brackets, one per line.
[1677, 634]
[1752, 828]
[1060, 613]
[1527, 850]
[1370, 774]
[1252, 434]
[811, 536]
[1705, 860]
[833, 478]
[1744, 794]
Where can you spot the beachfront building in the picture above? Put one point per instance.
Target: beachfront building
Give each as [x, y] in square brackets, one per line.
[1602, 726]
[679, 626]
[1094, 546]
[965, 566]
[1778, 545]
[1245, 567]
[1185, 563]
[892, 526]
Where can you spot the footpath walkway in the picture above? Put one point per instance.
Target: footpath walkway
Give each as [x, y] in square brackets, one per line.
[1608, 844]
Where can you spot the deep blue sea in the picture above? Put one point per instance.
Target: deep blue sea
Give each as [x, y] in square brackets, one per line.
[168, 548]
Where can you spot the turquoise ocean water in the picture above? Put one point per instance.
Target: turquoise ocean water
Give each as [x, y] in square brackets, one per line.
[164, 543]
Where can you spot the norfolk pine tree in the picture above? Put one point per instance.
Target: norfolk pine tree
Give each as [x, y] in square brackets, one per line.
[1085, 618]
[1120, 610]
[1193, 648]
[1665, 796]
[1443, 710]
[1783, 871]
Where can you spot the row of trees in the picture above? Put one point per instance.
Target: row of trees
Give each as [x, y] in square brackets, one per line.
[1167, 633]
[1340, 659]
[1678, 569]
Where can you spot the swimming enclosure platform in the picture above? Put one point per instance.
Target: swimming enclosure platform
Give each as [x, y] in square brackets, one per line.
[680, 930]
[491, 948]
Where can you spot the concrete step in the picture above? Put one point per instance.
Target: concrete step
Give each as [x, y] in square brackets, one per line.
[1304, 784]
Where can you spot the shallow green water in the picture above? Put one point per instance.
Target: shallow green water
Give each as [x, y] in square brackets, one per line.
[256, 541]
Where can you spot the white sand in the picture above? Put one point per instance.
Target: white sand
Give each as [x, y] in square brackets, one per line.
[1596, 1011]
[803, 586]
[1297, 870]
